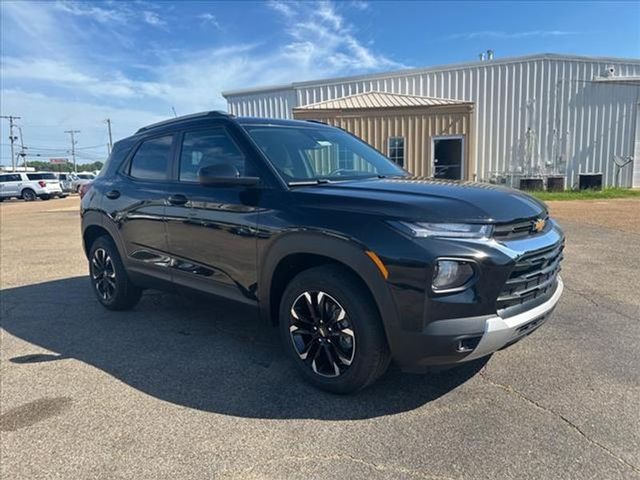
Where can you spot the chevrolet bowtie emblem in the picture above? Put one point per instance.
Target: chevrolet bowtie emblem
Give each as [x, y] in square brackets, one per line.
[539, 224]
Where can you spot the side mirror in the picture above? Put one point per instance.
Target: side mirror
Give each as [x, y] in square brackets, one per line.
[224, 174]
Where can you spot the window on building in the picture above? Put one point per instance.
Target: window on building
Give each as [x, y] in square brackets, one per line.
[396, 150]
[151, 161]
[208, 147]
[345, 158]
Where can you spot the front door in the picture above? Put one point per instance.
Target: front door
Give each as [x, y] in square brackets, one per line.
[448, 158]
[10, 184]
[212, 229]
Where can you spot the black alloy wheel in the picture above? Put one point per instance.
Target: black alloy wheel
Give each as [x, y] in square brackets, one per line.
[103, 274]
[109, 279]
[322, 333]
[332, 330]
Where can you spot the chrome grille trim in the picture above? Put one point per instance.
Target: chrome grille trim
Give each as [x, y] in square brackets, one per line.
[533, 276]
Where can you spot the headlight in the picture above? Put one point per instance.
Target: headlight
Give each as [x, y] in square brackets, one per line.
[451, 274]
[451, 230]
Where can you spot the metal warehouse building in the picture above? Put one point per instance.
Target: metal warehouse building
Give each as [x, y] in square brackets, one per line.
[500, 120]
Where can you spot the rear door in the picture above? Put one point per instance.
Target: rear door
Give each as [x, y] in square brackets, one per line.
[135, 201]
[212, 229]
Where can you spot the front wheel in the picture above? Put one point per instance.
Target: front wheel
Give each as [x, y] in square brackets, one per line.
[332, 330]
[110, 281]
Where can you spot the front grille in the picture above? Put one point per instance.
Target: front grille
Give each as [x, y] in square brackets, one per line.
[515, 230]
[534, 276]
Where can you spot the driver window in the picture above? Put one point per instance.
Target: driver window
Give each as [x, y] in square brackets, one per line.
[204, 148]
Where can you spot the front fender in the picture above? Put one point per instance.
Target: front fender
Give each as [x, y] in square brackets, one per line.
[337, 248]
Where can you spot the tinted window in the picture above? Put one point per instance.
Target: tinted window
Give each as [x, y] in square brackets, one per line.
[208, 147]
[41, 176]
[10, 178]
[86, 176]
[118, 154]
[152, 159]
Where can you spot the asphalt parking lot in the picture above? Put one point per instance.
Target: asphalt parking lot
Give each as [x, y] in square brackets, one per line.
[190, 388]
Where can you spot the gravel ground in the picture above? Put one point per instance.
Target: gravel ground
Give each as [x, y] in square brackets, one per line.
[193, 388]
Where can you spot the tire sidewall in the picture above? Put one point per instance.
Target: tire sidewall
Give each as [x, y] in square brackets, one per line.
[108, 246]
[30, 195]
[364, 320]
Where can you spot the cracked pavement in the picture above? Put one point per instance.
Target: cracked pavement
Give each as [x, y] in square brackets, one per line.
[189, 388]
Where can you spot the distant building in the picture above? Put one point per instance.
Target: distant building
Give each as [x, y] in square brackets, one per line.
[501, 120]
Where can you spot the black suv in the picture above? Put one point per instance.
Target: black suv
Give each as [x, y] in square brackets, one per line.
[356, 261]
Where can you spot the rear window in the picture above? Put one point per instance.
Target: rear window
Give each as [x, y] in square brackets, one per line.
[41, 176]
[151, 161]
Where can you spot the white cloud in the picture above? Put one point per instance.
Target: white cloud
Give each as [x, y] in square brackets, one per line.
[99, 14]
[63, 73]
[209, 19]
[152, 18]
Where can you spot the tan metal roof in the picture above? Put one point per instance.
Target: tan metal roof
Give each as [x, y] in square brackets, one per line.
[379, 100]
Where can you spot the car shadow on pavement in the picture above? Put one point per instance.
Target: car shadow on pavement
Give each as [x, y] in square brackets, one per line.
[201, 353]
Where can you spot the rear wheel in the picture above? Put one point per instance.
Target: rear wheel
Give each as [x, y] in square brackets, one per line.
[45, 197]
[332, 330]
[110, 281]
[28, 195]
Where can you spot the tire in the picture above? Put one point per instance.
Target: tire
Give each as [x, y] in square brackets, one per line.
[45, 197]
[109, 279]
[28, 195]
[341, 346]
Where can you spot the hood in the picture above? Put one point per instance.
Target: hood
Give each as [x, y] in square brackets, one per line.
[417, 199]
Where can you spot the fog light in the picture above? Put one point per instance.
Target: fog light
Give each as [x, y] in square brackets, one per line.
[451, 274]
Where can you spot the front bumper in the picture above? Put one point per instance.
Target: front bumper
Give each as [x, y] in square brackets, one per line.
[500, 332]
[438, 345]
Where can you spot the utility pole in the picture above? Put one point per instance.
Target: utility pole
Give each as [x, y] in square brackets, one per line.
[108, 120]
[12, 138]
[22, 153]
[73, 147]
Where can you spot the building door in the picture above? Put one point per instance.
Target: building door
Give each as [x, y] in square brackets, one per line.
[448, 157]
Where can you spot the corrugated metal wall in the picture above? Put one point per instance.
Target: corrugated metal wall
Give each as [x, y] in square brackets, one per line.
[530, 113]
[417, 126]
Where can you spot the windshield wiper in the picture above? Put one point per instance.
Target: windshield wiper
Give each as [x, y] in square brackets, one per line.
[303, 183]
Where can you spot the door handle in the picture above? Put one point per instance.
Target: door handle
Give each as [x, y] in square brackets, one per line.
[112, 194]
[177, 199]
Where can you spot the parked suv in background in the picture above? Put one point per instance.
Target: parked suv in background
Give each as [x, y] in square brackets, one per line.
[29, 186]
[356, 261]
[80, 179]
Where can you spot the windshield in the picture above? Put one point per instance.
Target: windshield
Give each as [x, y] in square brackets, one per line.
[86, 176]
[303, 154]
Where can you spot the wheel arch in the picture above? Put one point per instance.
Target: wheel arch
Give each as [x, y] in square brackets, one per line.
[296, 252]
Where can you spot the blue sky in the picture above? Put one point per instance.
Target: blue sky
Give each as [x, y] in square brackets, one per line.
[72, 64]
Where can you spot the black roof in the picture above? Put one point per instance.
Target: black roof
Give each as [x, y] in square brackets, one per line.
[219, 114]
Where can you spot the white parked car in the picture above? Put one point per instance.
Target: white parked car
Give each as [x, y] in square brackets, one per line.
[29, 186]
[79, 179]
[65, 181]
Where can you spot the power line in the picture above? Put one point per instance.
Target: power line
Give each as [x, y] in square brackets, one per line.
[12, 137]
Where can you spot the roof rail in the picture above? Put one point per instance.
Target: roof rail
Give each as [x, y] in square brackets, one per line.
[317, 121]
[213, 113]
